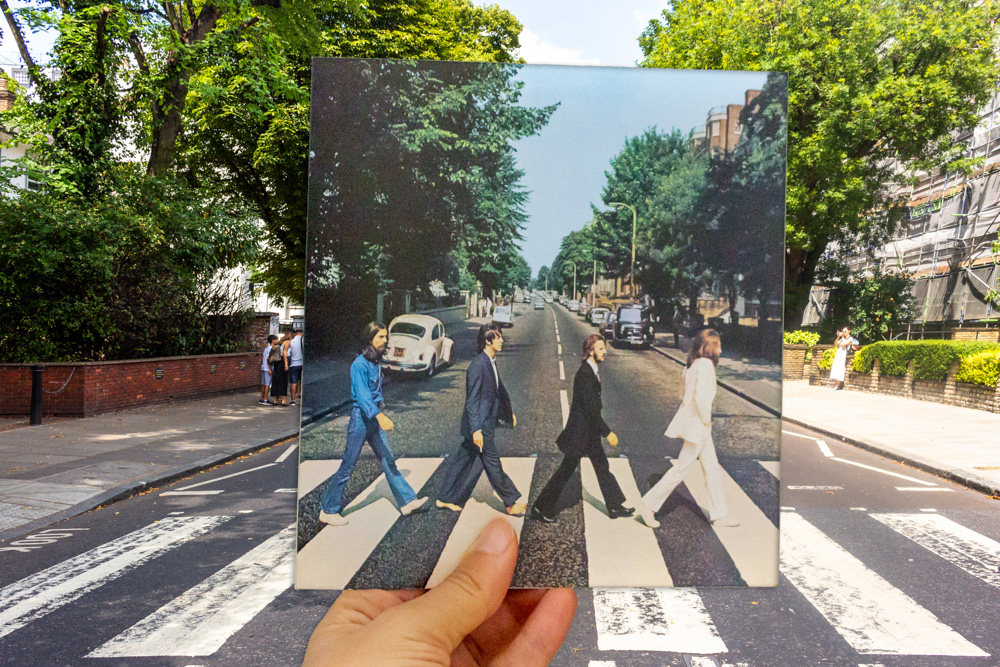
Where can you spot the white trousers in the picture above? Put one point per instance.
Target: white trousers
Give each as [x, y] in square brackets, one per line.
[703, 452]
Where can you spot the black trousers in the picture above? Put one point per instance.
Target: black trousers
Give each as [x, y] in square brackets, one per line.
[613, 496]
[462, 469]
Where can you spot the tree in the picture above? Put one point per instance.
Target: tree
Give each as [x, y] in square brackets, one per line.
[880, 305]
[516, 274]
[872, 84]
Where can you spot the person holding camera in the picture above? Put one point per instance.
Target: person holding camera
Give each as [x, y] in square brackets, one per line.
[843, 343]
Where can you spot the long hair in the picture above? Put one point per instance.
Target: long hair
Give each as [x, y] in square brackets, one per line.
[487, 334]
[367, 336]
[701, 347]
[589, 344]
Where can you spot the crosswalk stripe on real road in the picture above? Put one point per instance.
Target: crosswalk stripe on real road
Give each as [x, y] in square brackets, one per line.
[654, 619]
[199, 621]
[45, 591]
[331, 558]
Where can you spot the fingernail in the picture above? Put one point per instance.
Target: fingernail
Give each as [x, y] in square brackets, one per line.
[495, 538]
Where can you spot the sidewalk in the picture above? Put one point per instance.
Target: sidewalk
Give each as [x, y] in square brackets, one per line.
[66, 467]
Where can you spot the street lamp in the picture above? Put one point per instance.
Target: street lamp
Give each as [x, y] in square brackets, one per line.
[632, 269]
[574, 278]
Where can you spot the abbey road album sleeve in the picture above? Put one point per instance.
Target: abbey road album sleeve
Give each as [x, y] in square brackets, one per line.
[531, 292]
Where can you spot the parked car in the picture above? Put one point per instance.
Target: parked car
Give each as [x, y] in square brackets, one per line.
[608, 326]
[597, 315]
[584, 308]
[526, 299]
[417, 343]
[549, 299]
[503, 316]
[574, 306]
[634, 326]
[539, 303]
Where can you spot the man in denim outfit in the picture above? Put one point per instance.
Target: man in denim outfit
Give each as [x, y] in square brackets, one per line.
[368, 424]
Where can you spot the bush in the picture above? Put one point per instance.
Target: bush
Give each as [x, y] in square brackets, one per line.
[826, 362]
[800, 338]
[931, 359]
[982, 368]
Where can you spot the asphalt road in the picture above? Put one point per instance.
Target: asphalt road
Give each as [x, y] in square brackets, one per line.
[881, 564]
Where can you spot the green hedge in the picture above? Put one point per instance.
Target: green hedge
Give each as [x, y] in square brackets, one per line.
[982, 368]
[800, 338]
[826, 362]
[931, 358]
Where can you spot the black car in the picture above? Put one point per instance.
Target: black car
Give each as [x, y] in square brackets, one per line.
[634, 326]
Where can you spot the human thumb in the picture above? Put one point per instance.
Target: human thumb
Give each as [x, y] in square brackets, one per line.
[472, 593]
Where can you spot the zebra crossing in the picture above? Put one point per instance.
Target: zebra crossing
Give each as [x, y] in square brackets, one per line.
[873, 616]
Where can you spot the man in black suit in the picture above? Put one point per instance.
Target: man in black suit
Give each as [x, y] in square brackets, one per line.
[487, 403]
[582, 437]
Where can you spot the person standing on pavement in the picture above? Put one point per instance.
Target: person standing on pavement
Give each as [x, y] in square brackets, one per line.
[582, 437]
[845, 341]
[295, 361]
[693, 422]
[279, 371]
[368, 424]
[487, 403]
[265, 370]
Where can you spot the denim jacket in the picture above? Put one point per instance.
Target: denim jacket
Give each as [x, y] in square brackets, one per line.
[366, 386]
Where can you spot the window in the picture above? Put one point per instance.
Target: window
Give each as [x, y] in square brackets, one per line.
[715, 128]
[436, 333]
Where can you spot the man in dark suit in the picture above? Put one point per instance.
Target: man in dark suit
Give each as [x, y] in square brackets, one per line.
[487, 403]
[582, 437]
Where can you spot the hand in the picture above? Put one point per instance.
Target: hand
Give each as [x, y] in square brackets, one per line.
[384, 421]
[612, 439]
[477, 439]
[470, 618]
[514, 417]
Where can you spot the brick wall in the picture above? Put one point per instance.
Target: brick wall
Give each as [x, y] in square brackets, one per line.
[108, 386]
[793, 361]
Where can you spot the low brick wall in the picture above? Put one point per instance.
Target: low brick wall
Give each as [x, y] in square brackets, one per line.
[793, 362]
[91, 388]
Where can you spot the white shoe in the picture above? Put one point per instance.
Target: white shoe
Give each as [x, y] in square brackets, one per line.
[726, 521]
[647, 518]
[332, 519]
[412, 506]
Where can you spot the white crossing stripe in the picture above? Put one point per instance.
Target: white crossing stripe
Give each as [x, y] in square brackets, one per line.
[601, 663]
[884, 472]
[56, 586]
[824, 448]
[479, 510]
[866, 610]
[202, 619]
[564, 402]
[314, 473]
[286, 453]
[608, 564]
[965, 548]
[815, 488]
[753, 545]
[286, 490]
[773, 467]
[654, 619]
[923, 488]
[335, 554]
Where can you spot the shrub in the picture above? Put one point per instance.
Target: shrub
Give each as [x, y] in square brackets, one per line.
[826, 362]
[800, 338]
[982, 368]
[931, 359]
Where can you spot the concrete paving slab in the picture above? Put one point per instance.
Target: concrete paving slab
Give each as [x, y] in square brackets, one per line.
[14, 515]
[68, 494]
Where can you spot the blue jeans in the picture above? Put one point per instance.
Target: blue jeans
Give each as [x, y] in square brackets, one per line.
[359, 431]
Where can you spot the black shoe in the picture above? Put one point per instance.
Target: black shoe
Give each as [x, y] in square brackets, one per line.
[538, 516]
[619, 512]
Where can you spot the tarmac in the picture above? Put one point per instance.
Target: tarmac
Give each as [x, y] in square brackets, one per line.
[66, 467]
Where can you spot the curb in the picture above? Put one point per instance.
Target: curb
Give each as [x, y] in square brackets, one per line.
[965, 478]
[725, 385]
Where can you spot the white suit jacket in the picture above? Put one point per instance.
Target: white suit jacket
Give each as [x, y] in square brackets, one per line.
[693, 420]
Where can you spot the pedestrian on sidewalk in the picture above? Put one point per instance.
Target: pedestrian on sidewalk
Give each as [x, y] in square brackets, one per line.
[693, 422]
[844, 342]
[295, 361]
[368, 424]
[265, 370]
[279, 371]
[582, 437]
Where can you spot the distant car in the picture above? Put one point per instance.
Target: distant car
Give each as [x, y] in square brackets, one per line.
[526, 299]
[597, 315]
[608, 326]
[503, 316]
[539, 304]
[549, 299]
[584, 308]
[634, 326]
[417, 343]
[574, 306]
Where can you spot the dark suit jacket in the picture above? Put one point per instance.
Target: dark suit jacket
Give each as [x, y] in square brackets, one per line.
[485, 402]
[585, 426]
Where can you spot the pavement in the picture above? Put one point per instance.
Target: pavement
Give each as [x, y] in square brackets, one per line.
[66, 467]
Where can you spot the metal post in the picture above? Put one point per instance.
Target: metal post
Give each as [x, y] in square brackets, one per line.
[36, 394]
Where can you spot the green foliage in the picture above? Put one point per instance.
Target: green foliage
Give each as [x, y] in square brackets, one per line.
[931, 359]
[982, 368]
[880, 305]
[871, 82]
[826, 361]
[800, 338]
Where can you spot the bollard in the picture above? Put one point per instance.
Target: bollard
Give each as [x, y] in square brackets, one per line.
[36, 395]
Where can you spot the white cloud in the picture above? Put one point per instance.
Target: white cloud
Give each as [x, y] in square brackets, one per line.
[538, 52]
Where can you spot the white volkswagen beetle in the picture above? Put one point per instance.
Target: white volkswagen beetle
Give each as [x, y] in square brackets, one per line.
[417, 343]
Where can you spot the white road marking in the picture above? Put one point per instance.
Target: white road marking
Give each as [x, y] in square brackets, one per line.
[559, 349]
[824, 448]
[753, 545]
[56, 586]
[965, 548]
[219, 479]
[866, 610]
[558, 340]
[564, 401]
[654, 619]
[787, 509]
[191, 493]
[641, 564]
[335, 554]
[773, 467]
[285, 490]
[923, 488]
[799, 435]
[175, 513]
[884, 472]
[286, 453]
[815, 488]
[856, 509]
[314, 473]
[928, 510]
[601, 663]
[562, 370]
[479, 510]
[246, 511]
[202, 619]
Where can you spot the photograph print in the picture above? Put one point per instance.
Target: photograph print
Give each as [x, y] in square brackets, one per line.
[520, 283]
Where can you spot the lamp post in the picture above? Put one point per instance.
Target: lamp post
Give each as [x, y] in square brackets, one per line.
[632, 268]
[574, 279]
